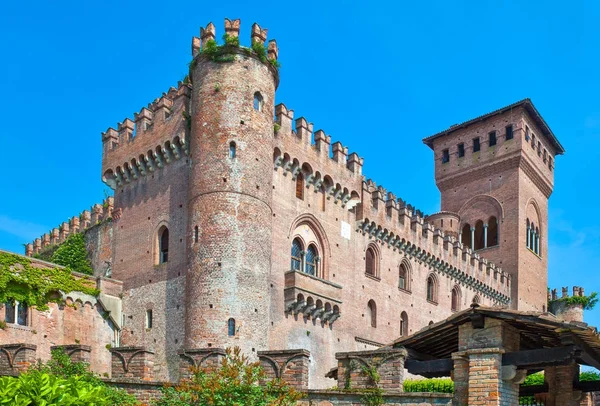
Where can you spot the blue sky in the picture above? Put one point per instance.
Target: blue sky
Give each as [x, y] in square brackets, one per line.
[377, 76]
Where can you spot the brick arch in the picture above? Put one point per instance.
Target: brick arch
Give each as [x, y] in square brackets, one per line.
[321, 235]
[533, 214]
[482, 200]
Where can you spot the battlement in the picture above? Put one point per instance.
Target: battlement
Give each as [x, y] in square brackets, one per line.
[553, 294]
[156, 136]
[399, 226]
[232, 32]
[299, 133]
[75, 225]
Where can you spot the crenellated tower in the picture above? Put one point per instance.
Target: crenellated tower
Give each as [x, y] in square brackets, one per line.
[496, 174]
[230, 190]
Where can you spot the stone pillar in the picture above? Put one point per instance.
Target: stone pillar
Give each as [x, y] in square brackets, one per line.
[473, 238]
[132, 362]
[560, 381]
[206, 358]
[16, 358]
[77, 352]
[479, 376]
[485, 235]
[289, 365]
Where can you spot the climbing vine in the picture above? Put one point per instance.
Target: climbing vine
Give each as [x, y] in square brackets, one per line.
[21, 281]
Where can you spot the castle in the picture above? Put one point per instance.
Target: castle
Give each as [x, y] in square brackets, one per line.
[234, 224]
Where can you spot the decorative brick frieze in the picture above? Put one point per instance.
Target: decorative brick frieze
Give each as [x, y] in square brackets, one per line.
[16, 358]
[354, 367]
[132, 362]
[289, 365]
[77, 352]
[207, 358]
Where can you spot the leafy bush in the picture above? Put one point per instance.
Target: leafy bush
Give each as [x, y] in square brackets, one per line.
[588, 376]
[40, 388]
[72, 253]
[438, 385]
[61, 366]
[235, 383]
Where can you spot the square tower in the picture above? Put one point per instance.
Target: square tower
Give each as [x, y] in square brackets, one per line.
[497, 172]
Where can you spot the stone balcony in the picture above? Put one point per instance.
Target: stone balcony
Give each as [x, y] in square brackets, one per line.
[313, 297]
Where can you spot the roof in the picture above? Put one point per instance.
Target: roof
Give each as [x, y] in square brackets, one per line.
[537, 330]
[526, 103]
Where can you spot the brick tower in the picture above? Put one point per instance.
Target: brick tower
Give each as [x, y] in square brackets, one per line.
[230, 193]
[497, 172]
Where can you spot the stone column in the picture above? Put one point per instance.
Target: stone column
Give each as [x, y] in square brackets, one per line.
[485, 235]
[473, 238]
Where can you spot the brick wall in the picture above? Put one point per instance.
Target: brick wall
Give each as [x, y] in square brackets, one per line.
[207, 358]
[77, 352]
[388, 363]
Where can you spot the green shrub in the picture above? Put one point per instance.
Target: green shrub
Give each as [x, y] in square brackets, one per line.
[73, 254]
[61, 366]
[588, 376]
[40, 388]
[236, 382]
[438, 385]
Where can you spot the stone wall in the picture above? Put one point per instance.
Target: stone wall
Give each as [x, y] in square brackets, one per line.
[341, 398]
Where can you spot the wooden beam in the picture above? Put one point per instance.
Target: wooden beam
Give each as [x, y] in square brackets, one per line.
[439, 367]
[542, 357]
[593, 386]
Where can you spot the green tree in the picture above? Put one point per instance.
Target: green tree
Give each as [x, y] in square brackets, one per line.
[234, 383]
[72, 253]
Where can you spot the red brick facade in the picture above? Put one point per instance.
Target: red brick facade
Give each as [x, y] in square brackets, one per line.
[237, 182]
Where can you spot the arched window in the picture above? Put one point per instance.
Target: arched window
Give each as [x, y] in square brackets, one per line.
[431, 289]
[528, 235]
[163, 245]
[311, 260]
[196, 232]
[537, 241]
[492, 232]
[232, 150]
[372, 312]
[430, 322]
[466, 236]
[371, 262]
[532, 236]
[455, 306]
[258, 101]
[300, 186]
[404, 278]
[297, 255]
[479, 235]
[403, 324]
[231, 327]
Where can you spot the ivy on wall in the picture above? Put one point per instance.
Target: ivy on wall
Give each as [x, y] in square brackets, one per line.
[21, 281]
[223, 53]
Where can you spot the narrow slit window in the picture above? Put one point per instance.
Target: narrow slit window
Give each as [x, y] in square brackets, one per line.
[149, 318]
[296, 255]
[461, 150]
[476, 145]
[445, 156]
[492, 140]
[196, 232]
[258, 101]
[300, 186]
[509, 132]
[232, 150]
[163, 245]
[231, 327]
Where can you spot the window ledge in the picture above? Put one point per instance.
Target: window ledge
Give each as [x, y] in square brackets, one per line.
[375, 278]
[18, 327]
[533, 252]
[432, 302]
[405, 290]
